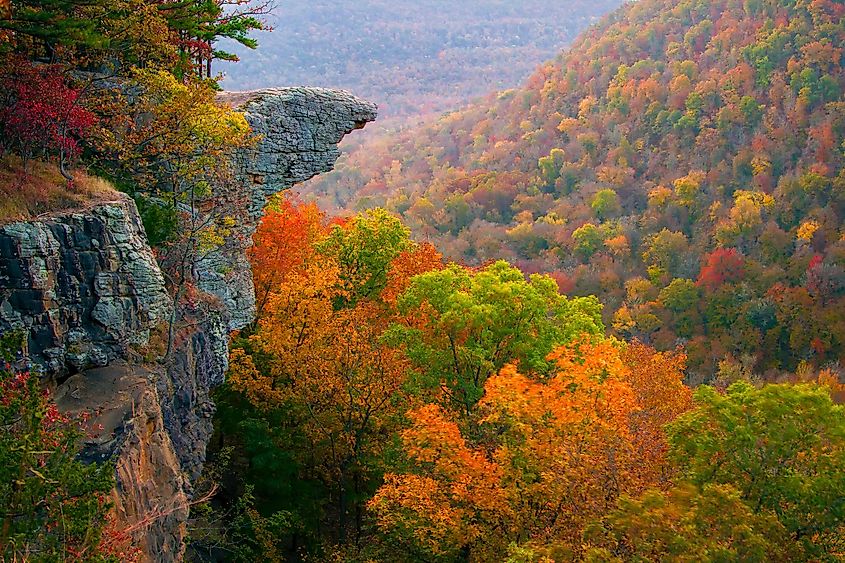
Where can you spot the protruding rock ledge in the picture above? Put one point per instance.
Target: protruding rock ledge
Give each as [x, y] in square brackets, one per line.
[298, 131]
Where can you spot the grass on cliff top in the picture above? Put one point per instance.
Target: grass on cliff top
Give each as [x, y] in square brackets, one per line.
[41, 189]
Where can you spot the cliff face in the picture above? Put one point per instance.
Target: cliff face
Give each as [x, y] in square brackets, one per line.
[86, 288]
[84, 285]
[152, 493]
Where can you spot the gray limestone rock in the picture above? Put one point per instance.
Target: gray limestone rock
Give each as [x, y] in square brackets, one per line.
[298, 130]
[84, 285]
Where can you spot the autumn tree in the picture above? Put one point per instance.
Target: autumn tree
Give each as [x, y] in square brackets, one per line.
[550, 166]
[461, 326]
[781, 447]
[40, 113]
[448, 507]
[52, 505]
[316, 362]
[687, 188]
[681, 297]
[723, 265]
[283, 244]
[364, 248]
[657, 380]
[551, 453]
[588, 239]
[181, 139]
[330, 368]
[754, 483]
[329, 372]
[419, 259]
[685, 523]
[605, 204]
[665, 250]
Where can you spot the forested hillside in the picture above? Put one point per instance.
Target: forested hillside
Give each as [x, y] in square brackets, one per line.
[683, 162]
[389, 406]
[411, 57]
[598, 318]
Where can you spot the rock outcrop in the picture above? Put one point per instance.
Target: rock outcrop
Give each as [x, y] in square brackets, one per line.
[298, 132]
[152, 493]
[88, 292]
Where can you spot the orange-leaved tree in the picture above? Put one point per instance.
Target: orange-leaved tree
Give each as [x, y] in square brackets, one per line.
[339, 384]
[315, 358]
[282, 244]
[420, 259]
[549, 455]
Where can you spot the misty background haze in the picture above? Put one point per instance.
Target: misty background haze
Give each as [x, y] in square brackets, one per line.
[411, 57]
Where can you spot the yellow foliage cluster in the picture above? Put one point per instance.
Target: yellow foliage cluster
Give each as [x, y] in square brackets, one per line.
[807, 230]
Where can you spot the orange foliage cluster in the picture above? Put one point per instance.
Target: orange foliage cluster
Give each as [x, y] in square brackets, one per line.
[544, 458]
[276, 257]
[317, 351]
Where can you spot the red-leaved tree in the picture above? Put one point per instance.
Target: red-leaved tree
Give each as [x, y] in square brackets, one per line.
[53, 507]
[40, 114]
[723, 265]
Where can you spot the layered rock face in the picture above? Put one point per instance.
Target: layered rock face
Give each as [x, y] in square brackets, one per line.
[152, 494]
[86, 289]
[84, 285]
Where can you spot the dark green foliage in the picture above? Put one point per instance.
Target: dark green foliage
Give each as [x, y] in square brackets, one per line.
[264, 484]
[57, 23]
[161, 220]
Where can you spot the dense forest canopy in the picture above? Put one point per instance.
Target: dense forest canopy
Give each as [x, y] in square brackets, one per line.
[412, 57]
[389, 406]
[682, 161]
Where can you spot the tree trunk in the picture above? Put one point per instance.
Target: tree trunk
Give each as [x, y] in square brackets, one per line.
[62, 168]
[341, 517]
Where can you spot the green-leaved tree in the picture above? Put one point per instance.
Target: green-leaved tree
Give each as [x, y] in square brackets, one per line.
[463, 326]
